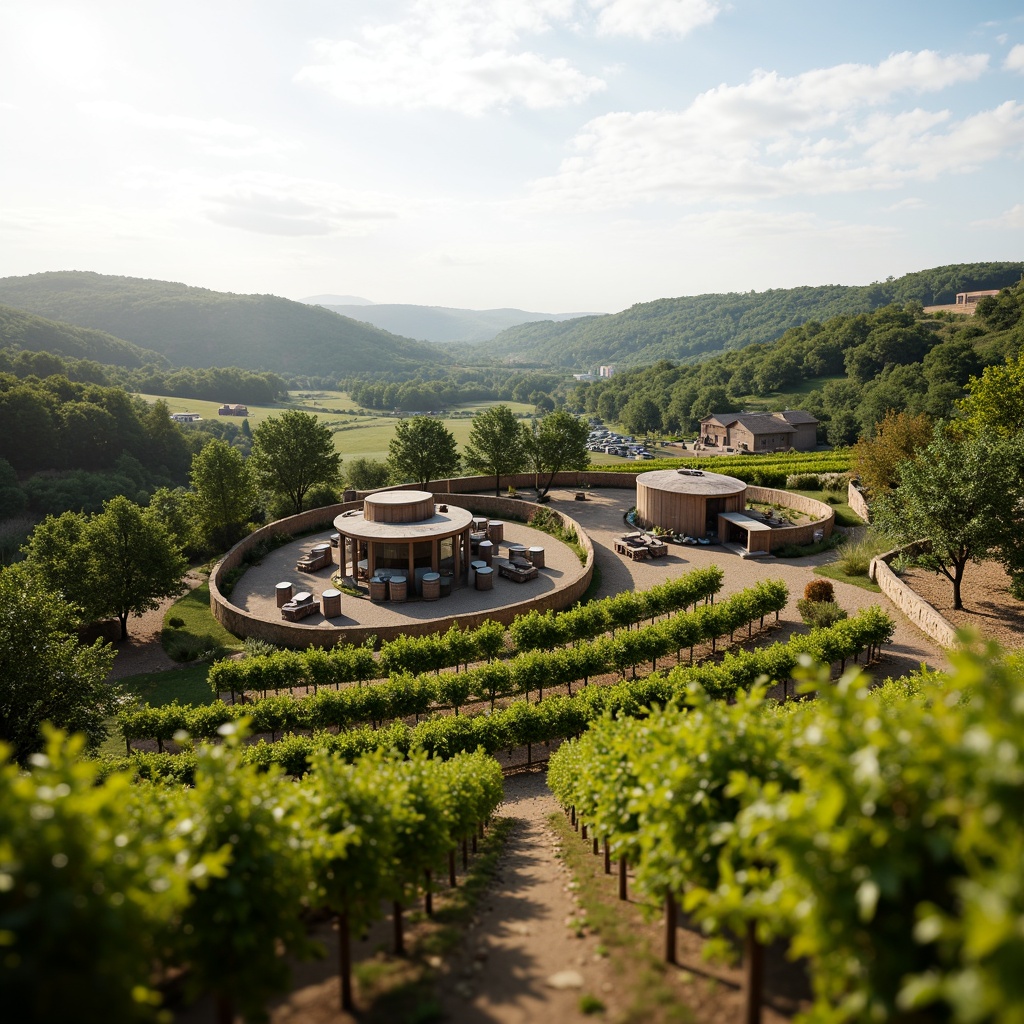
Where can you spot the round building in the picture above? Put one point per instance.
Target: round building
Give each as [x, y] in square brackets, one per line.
[404, 531]
[687, 501]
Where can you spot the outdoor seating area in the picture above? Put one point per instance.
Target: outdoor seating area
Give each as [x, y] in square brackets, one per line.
[318, 557]
[639, 546]
[518, 570]
[301, 605]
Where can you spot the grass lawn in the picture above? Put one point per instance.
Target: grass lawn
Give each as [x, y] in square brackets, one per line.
[833, 572]
[845, 516]
[194, 608]
[185, 685]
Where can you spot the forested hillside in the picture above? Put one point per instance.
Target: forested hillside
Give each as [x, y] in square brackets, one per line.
[848, 371]
[28, 333]
[694, 327]
[442, 323]
[198, 327]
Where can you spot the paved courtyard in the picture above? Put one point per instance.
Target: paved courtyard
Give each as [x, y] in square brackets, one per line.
[601, 515]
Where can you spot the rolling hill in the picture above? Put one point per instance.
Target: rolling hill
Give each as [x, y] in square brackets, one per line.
[20, 330]
[442, 323]
[695, 327]
[200, 328]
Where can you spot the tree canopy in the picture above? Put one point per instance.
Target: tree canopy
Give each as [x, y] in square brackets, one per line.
[292, 453]
[961, 493]
[877, 461]
[121, 561]
[557, 442]
[46, 675]
[423, 449]
[498, 444]
[225, 494]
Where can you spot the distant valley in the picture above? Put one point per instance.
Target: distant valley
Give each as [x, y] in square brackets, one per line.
[440, 323]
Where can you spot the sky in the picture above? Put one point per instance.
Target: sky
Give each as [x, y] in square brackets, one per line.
[550, 155]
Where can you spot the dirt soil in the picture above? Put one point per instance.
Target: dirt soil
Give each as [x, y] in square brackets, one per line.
[989, 607]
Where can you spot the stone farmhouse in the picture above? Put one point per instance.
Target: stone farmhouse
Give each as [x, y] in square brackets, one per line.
[760, 431]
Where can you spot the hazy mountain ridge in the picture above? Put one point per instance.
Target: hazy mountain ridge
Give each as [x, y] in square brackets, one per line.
[694, 327]
[443, 324]
[199, 327]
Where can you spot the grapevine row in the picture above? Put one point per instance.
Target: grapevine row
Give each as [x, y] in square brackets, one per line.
[317, 668]
[524, 724]
[405, 695]
[104, 880]
[879, 830]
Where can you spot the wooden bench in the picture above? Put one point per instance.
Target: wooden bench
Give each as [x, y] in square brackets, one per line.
[299, 607]
[313, 560]
[518, 572]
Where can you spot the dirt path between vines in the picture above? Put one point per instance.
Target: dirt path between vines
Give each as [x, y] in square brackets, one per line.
[521, 961]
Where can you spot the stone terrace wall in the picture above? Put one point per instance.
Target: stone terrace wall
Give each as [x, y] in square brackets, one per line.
[468, 484]
[856, 500]
[242, 623]
[783, 535]
[915, 607]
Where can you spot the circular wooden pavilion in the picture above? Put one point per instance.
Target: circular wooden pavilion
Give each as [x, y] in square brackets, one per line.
[404, 531]
[687, 501]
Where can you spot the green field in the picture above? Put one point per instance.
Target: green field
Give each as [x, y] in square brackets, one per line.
[361, 434]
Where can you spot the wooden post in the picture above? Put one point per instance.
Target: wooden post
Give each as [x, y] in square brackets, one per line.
[225, 1010]
[345, 963]
[622, 879]
[671, 923]
[465, 853]
[474, 842]
[754, 981]
[428, 895]
[451, 868]
[596, 850]
[607, 859]
[396, 914]
[572, 818]
[583, 831]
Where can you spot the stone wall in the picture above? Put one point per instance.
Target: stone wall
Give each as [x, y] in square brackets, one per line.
[571, 479]
[242, 623]
[783, 535]
[857, 501]
[915, 607]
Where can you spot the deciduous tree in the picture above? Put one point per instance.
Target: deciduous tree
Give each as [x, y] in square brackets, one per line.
[964, 494]
[293, 452]
[424, 449]
[558, 442]
[225, 494]
[497, 444]
[877, 461]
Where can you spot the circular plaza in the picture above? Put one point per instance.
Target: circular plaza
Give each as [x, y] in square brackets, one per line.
[397, 562]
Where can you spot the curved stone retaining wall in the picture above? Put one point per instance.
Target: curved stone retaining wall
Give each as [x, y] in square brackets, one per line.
[824, 514]
[916, 608]
[242, 623]
[857, 501]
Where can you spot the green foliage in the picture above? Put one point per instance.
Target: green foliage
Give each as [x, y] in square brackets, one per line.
[293, 452]
[820, 614]
[225, 494]
[963, 493]
[557, 442]
[198, 327]
[498, 444]
[897, 439]
[364, 474]
[995, 402]
[93, 879]
[45, 674]
[422, 449]
[120, 561]
[879, 830]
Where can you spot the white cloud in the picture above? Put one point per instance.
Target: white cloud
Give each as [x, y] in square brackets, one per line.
[460, 55]
[214, 136]
[646, 19]
[822, 131]
[278, 205]
[1015, 59]
[1012, 219]
[910, 203]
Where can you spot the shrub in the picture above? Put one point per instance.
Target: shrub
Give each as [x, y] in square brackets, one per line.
[835, 482]
[175, 622]
[855, 559]
[803, 482]
[820, 614]
[819, 590]
[187, 647]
